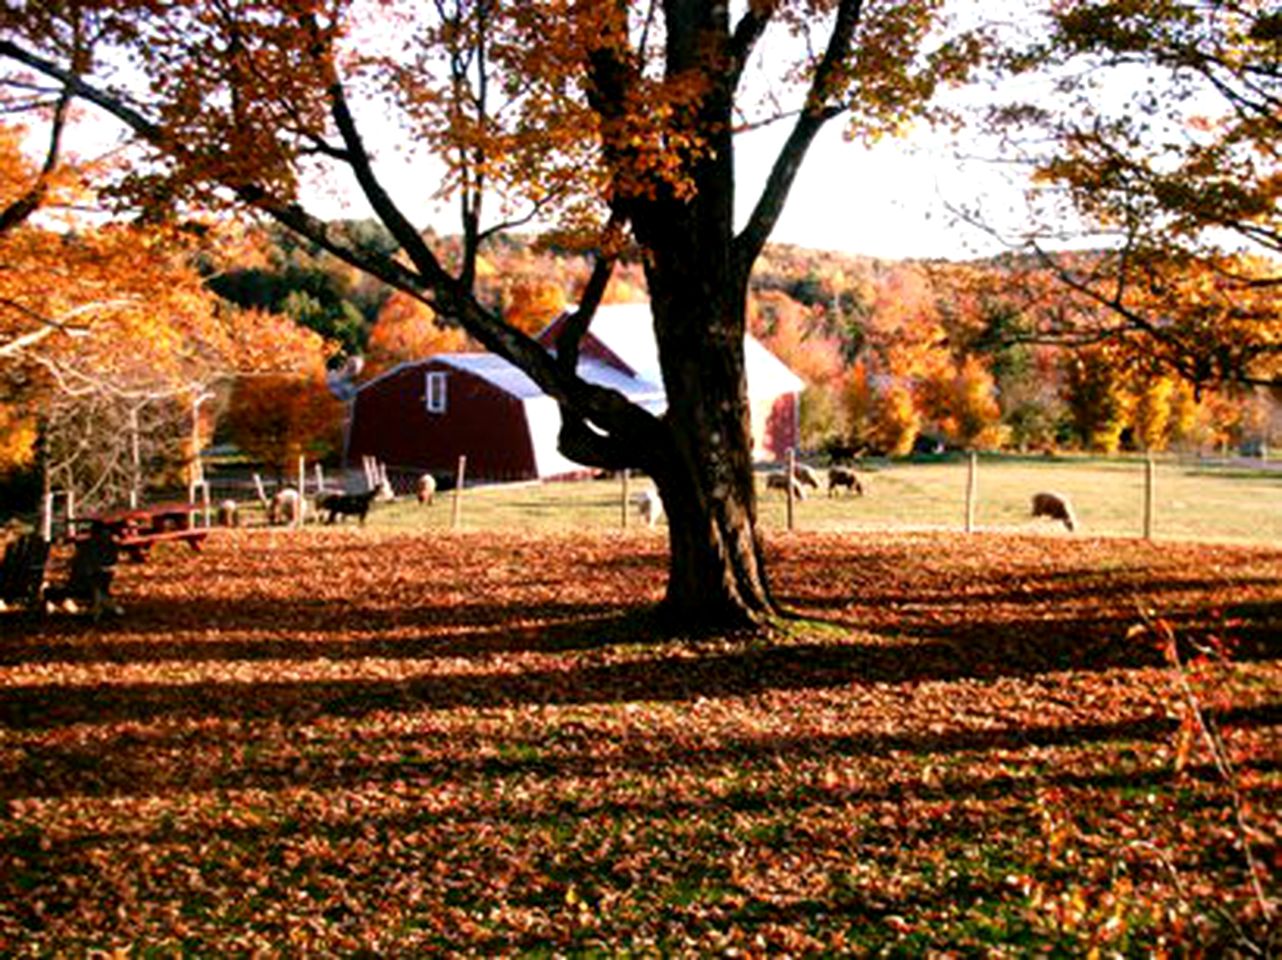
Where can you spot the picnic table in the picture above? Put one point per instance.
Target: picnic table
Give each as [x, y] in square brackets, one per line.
[136, 530]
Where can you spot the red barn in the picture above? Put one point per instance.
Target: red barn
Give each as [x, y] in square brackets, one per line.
[423, 415]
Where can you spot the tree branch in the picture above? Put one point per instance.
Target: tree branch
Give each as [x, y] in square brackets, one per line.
[750, 242]
[29, 201]
[747, 32]
[576, 324]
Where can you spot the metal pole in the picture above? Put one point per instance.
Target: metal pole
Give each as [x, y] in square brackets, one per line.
[972, 491]
[456, 507]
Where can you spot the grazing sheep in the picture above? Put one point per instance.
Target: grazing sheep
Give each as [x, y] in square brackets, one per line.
[806, 475]
[649, 506]
[780, 481]
[347, 504]
[1056, 506]
[426, 488]
[286, 507]
[844, 477]
[228, 514]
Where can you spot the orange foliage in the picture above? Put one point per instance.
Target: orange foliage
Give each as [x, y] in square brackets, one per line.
[277, 419]
[531, 304]
[407, 329]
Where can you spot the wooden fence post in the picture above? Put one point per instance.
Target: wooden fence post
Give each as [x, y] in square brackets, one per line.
[790, 485]
[623, 515]
[1149, 482]
[456, 508]
[320, 477]
[972, 490]
[302, 492]
[69, 511]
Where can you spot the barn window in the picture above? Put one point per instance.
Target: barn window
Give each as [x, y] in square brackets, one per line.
[436, 392]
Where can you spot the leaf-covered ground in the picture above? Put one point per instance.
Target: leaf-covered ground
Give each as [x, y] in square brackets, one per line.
[345, 742]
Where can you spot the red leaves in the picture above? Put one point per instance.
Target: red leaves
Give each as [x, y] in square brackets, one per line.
[329, 742]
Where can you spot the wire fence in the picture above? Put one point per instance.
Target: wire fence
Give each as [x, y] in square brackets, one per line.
[1173, 499]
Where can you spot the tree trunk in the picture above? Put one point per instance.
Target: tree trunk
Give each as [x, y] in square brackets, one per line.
[716, 572]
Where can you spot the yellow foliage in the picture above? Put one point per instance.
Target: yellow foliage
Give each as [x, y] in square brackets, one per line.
[17, 439]
[407, 329]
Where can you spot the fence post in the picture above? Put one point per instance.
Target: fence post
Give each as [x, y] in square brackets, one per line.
[456, 507]
[623, 513]
[1149, 480]
[46, 518]
[320, 477]
[792, 466]
[972, 490]
[302, 492]
[69, 511]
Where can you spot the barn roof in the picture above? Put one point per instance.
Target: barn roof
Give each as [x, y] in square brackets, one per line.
[626, 330]
[512, 380]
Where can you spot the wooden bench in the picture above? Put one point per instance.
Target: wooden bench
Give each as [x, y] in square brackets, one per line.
[138, 545]
[22, 574]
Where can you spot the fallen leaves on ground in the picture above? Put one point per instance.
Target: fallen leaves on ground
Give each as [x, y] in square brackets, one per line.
[340, 742]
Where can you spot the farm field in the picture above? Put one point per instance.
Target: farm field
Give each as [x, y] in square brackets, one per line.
[341, 741]
[1191, 502]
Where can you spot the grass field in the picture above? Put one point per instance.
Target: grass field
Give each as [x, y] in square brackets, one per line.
[1190, 502]
[345, 742]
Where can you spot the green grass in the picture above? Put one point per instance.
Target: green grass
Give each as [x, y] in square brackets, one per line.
[1191, 502]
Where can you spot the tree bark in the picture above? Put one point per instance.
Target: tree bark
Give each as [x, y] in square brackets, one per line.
[698, 297]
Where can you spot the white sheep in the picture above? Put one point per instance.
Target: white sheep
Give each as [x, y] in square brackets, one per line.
[649, 506]
[228, 514]
[286, 507]
[426, 488]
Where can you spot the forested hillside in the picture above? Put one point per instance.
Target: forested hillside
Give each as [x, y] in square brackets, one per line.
[897, 355]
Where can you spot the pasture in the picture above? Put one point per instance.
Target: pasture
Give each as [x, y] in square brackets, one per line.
[1192, 501]
[378, 742]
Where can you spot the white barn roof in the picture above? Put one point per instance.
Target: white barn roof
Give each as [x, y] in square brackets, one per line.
[627, 331]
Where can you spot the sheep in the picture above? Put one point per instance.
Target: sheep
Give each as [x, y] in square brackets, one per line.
[806, 475]
[228, 514]
[649, 505]
[844, 477]
[347, 504]
[426, 488]
[286, 507]
[1056, 506]
[780, 481]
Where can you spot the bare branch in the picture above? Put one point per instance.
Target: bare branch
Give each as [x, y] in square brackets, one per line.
[787, 165]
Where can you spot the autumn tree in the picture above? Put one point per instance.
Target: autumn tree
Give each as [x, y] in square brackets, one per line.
[617, 117]
[1164, 125]
[276, 419]
[408, 329]
[108, 335]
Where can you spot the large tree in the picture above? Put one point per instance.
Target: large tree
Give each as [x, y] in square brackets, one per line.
[619, 118]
